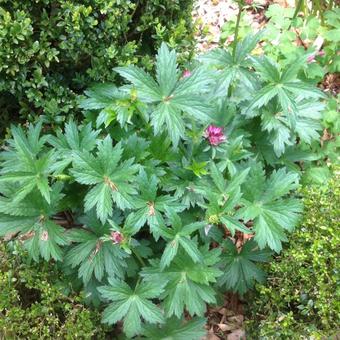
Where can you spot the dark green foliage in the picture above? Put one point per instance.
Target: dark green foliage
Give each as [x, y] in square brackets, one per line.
[32, 303]
[176, 329]
[52, 50]
[301, 299]
[131, 304]
[172, 98]
[149, 213]
[187, 283]
[265, 204]
[239, 269]
[94, 255]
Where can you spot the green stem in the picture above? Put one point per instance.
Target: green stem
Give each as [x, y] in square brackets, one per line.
[330, 5]
[238, 19]
[240, 9]
[319, 8]
[139, 258]
[138, 280]
[297, 10]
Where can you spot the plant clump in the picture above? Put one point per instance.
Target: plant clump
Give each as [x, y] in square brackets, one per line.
[173, 188]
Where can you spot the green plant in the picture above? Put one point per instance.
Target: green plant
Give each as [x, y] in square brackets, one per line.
[52, 50]
[295, 37]
[301, 299]
[317, 8]
[149, 212]
[33, 304]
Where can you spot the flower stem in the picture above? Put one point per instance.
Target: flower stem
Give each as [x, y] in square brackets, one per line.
[240, 9]
[238, 19]
[139, 258]
[297, 10]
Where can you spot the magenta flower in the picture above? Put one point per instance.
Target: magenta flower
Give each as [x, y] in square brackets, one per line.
[214, 134]
[321, 53]
[186, 74]
[116, 237]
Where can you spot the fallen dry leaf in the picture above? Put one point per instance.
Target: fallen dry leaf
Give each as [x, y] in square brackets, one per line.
[211, 335]
[239, 334]
[224, 327]
[236, 318]
[225, 312]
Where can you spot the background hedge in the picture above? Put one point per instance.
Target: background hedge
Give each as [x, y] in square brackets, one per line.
[33, 304]
[53, 49]
[301, 298]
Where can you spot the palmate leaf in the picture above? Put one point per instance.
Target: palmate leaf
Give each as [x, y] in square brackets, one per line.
[217, 185]
[100, 96]
[233, 69]
[223, 196]
[176, 329]
[284, 86]
[172, 97]
[113, 102]
[265, 203]
[93, 252]
[136, 147]
[32, 219]
[188, 284]
[131, 305]
[150, 206]
[75, 138]
[178, 237]
[183, 183]
[110, 179]
[239, 269]
[26, 165]
[281, 135]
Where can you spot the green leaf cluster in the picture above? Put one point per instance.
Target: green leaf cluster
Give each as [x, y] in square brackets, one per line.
[173, 188]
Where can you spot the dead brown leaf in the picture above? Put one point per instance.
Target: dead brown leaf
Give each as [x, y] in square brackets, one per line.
[211, 335]
[237, 319]
[224, 327]
[239, 334]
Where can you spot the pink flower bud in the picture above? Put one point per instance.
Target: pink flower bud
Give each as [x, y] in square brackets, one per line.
[248, 2]
[116, 237]
[321, 53]
[214, 134]
[311, 59]
[186, 74]
[230, 39]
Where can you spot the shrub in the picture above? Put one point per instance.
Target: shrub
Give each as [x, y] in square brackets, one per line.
[52, 50]
[175, 187]
[33, 306]
[301, 299]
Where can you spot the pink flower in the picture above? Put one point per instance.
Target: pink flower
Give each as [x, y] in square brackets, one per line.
[248, 2]
[311, 59]
[321, 53]
[230, 39]
[214, 134]
[186, 74]
[116, 237]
